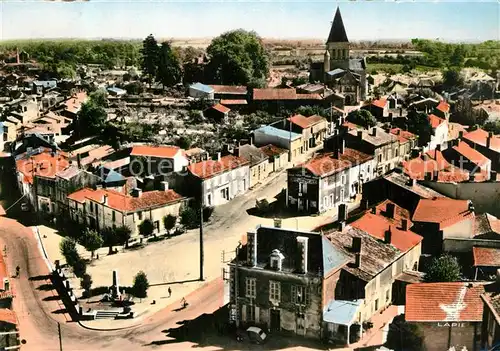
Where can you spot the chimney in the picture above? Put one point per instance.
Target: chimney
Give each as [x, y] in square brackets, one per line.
[218, 156]
[341, 146]
[236, 152]
[252, 249]
[356, 244]
[411, 182]
[389, 209]
[342, 212]
[136, 192]
[364, 204]
[435, 175]
[493, 175]
[374, 131]
[357, 259]
[460, 134]
[438, 147]
[302, 244]
[164, 185]
[360, 134]
[79, 160]
[488, 140]
[104, 199]
[404, 224]
[428, 176]
[388, 236]
[472, 177]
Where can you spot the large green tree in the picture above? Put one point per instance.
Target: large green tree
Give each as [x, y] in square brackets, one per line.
[91, 240]
[150, 53]
[146, 227]
[141, 285]
[419, 124]
[443, 269]
[109, 238]
[92, 116]
[123, 234]
[169, 71]
[237, 57]
[68, 249]
[362, 118]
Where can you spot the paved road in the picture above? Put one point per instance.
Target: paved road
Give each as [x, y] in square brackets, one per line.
[39, 310]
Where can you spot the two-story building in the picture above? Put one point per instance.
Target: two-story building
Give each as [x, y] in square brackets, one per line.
[284, 280]
[258, 162]
[216, 182]
[157, 159]
[328, 180]
[439, 134]
[407, 140]
[104, 208]
[288, 140]
[461, 155]
[487, 144]
[313, 129]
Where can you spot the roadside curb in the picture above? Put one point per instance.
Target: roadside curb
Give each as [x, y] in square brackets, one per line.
[139, 322]
[36, 232]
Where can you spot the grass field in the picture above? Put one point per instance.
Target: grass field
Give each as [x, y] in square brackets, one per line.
[393, 67]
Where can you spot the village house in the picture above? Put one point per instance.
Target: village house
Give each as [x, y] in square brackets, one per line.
[217, 113]
[442, 110]
[153, 160]
[313, 129]
[379, 108]
[490, 333]
[425, 105]
[486, 143]
[230, 92]
[275, 99]
[284, 139]
[486, 262]
[461, 155]
[327, 180]
[41, 86]
[258, 162]
[216, 182]
[407, 140]
[284, 280]
[196, 154]
[105, 208]
[448, 314]
[201, 91]
[278, 157]
[488, 111]
[368, 280]
[439, 134]
[7, 135]
[36, 176]
[73, 105]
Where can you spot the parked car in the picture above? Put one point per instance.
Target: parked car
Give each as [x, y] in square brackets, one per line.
[256, 335]
[24, 207]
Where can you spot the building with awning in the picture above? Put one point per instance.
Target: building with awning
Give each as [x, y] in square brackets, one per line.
[340, 315]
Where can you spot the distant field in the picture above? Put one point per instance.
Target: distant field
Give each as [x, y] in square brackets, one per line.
[394, 67]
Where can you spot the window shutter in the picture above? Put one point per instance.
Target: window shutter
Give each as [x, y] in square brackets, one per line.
[257, 314]
[243, 313]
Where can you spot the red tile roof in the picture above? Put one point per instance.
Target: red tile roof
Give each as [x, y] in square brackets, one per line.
[274, 94]
[8, 316]
[325, 164]
[308, 97]
[479, 136]
[126, 203]
[435, 121]
[233, 102]
[229, 89]
[469, 153]
[3, 271]
[443, 106]
[42, 165]
[430, 162]
[444, 302]
[442, 211]
[486, 256]
[210, 168]
[403, 135]
[381, 103]
[272, 150]
[350, 125]
[155, 151]
[306, 122]
[74, 103]
[220, 108]
[377, 224]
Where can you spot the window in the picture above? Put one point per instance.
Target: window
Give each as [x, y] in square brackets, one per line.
[274, 291]
[139, 215]
[397, 152]
[91, 207]
[250, 289]
[209, 199]
[113, 216]
[376, 305]
[343, 179]
[325, 201]
[303, 188]
[379, 158]
[331, 199]
[250, 313]
[300, 294]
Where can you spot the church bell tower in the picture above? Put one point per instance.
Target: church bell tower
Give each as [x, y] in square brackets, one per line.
[337, 45]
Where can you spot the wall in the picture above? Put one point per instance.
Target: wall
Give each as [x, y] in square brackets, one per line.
[465, 245]
[310, 195]
[236, 180]
[439, 336]
[439, 136]
[332, 189]
[360, 174]
[483, 195]
[296, 146]
[463, 229]
[259, 172]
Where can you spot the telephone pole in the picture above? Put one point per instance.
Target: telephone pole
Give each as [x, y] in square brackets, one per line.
[60, 337]
[201, 238]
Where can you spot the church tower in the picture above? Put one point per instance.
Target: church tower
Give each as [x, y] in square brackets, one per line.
[337, 44]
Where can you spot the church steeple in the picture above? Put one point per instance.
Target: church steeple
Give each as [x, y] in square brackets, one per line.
[337, 32]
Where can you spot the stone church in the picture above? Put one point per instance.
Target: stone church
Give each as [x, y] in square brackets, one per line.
[338, 71]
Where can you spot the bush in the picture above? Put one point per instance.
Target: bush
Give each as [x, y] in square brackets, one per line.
[146, 228]
[86, 283]
[207, 213]
[190, 218]
[68, 249]
[169, 222]
[80, 267]
[443, 269]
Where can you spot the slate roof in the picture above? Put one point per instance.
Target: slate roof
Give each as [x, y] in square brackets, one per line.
[336, 72]
[337, 31]
[444, 302]
[381, 138]
[280, 133]
[202, 87]
[252, 154]
[341, 312]
[357, 65]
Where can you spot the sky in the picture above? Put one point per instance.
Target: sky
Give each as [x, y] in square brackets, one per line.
[470, 20]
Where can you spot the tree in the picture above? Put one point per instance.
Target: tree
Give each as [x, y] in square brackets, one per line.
[123, 234]
[68, 249]
[109, 238]
[169, 71]
[149, 51]
[91, 240]
[92, 115]
[362, 118]
[86, 283]
[190, 218]
[169, 222]
[184, 142]
[141, 285]
[80, 267]
[135, 88]
[453, 78]
[146, 227]
[237, 57]
[419, 124]
[443, 269]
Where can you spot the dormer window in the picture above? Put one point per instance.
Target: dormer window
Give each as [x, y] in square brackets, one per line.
[276, 260]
